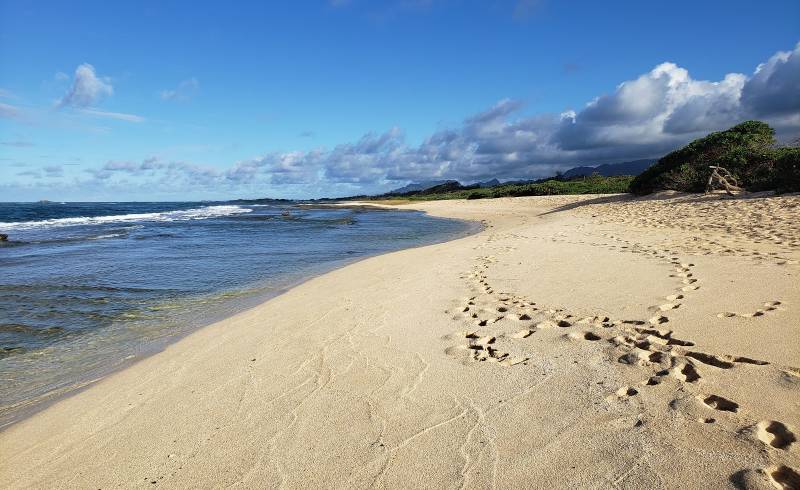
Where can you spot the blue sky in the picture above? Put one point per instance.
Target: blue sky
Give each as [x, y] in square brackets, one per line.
[203, 100]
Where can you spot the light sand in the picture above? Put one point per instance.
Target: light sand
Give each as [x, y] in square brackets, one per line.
[577, 342]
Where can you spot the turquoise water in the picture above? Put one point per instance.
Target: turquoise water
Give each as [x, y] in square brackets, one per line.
[87, 287]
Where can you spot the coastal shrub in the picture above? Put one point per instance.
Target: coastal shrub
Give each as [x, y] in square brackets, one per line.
[745, 150]
[595, 184]
[787, 168]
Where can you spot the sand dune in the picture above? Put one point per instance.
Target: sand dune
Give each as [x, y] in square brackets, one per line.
[576, 342]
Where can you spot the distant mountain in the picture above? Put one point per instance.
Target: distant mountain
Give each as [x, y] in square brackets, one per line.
[446, 186]
[488, 183]
[417, 186]
[611, 169]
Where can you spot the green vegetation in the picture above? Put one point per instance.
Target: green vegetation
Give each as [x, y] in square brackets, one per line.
[747, 151]
[594, 184]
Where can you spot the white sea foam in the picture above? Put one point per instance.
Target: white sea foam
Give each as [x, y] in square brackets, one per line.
[181, 215]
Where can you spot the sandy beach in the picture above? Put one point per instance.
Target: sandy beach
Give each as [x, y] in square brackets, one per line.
[575, 342]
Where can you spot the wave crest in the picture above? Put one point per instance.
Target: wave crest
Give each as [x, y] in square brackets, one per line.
[180, 215]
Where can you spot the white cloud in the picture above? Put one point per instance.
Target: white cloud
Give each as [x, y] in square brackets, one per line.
[8, 111]
[774, 89]
[87, 88]
[184, 91]
[113, 115]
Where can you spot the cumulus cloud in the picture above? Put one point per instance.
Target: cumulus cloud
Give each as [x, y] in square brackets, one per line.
[158, 172]
[774, 89]
[294, 167]
[641, 118]
[87, 88]
[184, 91]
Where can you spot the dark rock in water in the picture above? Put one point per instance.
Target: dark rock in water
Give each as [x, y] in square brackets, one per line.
[9, 351]
[3, 237]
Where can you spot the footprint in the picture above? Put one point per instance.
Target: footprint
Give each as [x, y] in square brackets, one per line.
[783, 477]
[719, 403]
[664, 337]
[513, 361]
[775, 434]
[668, 306]
[461, 334]
[673, 297]
[686, 372]
[522, 334]
[709, 359]
[457, 351]
[747, 360]
[640, 357]
[627, 391]
[481, 342]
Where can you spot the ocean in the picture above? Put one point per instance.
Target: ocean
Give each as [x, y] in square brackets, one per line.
[87, 287]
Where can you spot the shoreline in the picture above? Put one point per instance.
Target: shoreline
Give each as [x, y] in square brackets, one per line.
[28, 408]
[576, 330]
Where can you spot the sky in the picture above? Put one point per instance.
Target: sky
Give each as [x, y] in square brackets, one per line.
[171, 101]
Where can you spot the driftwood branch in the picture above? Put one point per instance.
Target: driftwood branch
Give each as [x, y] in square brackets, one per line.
[721, 178]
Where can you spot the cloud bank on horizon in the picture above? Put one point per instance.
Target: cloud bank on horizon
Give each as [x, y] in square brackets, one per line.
[642, 118]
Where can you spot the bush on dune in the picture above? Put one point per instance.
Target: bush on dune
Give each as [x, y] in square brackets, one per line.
[745, 150]
[787, 167]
